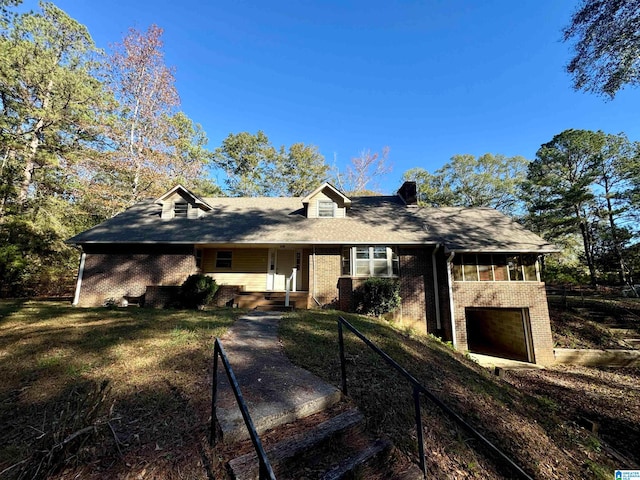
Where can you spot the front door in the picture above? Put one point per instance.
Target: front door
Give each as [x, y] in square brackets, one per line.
[281, 264]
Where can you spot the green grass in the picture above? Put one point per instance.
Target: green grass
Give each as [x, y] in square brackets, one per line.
[526, 428]
[156, 363]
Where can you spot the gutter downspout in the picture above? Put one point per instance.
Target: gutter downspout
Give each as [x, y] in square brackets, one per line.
[313, 291]
[436, 287]
[76, 297]
[450, 285]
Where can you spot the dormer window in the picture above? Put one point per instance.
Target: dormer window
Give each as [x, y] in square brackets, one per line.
[326, 201]
[181, 203]
[326, 209]
[180, 209]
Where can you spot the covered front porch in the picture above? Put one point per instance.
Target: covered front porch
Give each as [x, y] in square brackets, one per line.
[257, 276]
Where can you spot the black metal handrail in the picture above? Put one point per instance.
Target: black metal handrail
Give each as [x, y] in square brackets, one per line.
[418, 389]
[266, 472]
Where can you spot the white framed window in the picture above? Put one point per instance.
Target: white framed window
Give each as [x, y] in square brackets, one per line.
[370, 261]
[326, 209]
[471, 267]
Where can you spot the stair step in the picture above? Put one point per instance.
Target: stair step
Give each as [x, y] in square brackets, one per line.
[275, 307]
[245, 467]
[363, 456]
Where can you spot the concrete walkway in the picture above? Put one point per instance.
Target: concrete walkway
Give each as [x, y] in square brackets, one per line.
[275, 390]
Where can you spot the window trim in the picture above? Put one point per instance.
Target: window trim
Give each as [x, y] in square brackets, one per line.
[392, 261]
[180, 209]
[520, 267]
[220, 259]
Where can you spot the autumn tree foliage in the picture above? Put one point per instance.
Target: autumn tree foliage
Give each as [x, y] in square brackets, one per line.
[153, 145]
[81, 137]
[364, 173]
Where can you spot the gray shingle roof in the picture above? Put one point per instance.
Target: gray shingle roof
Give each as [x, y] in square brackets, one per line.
[373, 220]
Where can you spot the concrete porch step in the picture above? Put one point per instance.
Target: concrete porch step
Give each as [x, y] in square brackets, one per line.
[276, 307]
[268, 300]
[362, 457]
[245, 467]
[337, 448]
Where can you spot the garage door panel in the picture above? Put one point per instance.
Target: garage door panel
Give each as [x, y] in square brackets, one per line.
[499, 332]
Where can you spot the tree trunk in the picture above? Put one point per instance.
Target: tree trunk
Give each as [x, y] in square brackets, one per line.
[34, 144]
[614, 237]
[586, 240]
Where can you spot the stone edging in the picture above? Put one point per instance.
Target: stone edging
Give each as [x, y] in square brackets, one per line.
[597, 358]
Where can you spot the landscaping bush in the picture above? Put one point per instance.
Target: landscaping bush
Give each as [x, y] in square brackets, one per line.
[198, 290]
[377, 296]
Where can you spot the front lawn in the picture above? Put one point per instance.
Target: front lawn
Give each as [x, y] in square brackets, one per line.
[151, 418]
[532, 427]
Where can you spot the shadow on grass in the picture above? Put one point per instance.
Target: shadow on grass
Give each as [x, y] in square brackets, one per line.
[516, 421]
[158, 365]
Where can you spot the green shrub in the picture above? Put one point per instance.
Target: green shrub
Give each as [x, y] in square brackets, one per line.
[377, 296]
[197, 290]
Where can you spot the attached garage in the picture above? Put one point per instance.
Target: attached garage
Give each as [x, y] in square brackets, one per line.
[500, 332]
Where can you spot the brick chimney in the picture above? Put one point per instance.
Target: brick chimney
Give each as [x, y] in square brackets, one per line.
[408, 192]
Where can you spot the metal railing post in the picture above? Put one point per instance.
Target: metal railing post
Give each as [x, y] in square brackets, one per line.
[427, 393]
[265, 470]
[343, 366]
[419, 432]
[214, 392]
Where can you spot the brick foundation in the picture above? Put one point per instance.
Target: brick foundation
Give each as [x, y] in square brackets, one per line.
[517, 295]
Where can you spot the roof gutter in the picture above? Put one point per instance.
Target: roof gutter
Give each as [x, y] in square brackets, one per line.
[435, 286]
[313, 290]
[451, 311]
[76, 296]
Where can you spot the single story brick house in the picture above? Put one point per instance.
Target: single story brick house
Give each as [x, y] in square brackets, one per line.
[468, 275]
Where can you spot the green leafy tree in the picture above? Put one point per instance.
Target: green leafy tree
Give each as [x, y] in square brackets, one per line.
[254, 167]
[247, 161]
[49, 99]
[615, 169]
[559, 188]
[607, 46]
[486, 181]
[300, 170]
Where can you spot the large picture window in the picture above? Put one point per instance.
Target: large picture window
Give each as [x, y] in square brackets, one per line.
[369, 261]
[471, 267]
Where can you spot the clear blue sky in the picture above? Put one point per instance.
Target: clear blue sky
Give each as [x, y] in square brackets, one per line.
[429, 79]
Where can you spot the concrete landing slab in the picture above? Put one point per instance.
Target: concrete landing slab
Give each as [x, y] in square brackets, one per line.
[491, 362]
[275, 390]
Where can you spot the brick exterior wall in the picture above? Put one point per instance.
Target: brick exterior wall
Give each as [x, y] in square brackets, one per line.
[156, 296]
[328, 269]
[416, 290]
[111, 273]
[225, 295]
[345, 291]
[530, 295]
